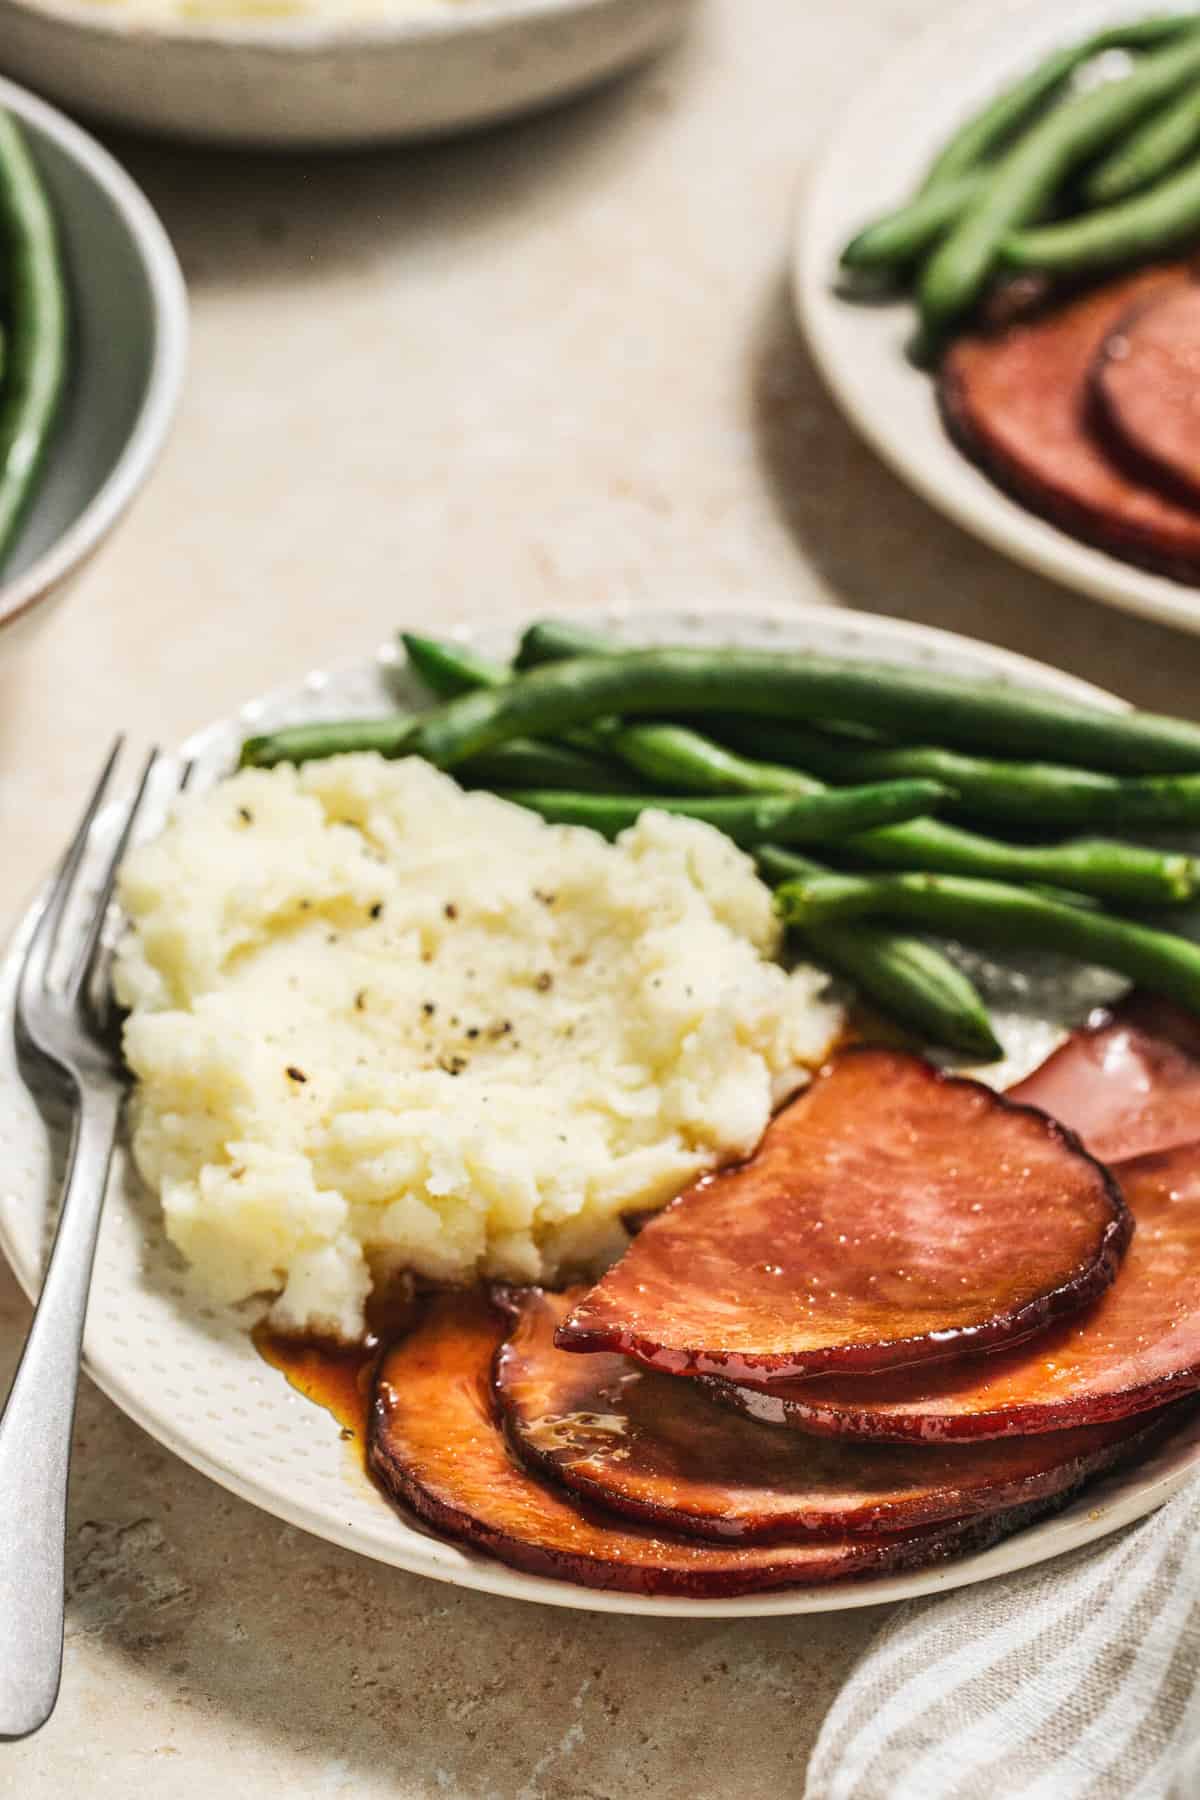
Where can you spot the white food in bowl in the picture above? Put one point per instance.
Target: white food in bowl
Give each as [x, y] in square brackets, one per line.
[379, 1023]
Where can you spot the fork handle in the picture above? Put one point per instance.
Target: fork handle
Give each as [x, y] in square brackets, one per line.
[35, 1436]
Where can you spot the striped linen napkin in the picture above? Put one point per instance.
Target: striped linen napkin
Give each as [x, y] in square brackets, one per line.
[1074, 1680]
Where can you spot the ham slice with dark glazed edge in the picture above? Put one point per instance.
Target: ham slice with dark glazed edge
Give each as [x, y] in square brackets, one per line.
[891, 1215]
[1020, 403]
[435, 1447]
[659, 1450]
[1129, 1085]
[1137, 1348]
[1146, 383]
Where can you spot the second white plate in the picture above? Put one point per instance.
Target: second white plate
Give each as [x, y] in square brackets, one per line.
[884, 142]
[188, 1373]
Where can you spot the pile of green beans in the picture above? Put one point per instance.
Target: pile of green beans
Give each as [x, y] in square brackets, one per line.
[33, 328]
[811, 751]
[1053, 180]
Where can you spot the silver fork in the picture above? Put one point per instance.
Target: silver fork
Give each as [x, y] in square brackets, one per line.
[70, 1023]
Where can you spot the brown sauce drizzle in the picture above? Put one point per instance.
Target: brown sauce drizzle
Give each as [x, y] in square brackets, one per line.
[340, 1377]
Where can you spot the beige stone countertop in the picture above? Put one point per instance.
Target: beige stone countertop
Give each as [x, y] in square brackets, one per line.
[540, 370]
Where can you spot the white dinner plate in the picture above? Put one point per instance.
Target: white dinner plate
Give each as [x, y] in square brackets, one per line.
[882, 145]
[187, 1371]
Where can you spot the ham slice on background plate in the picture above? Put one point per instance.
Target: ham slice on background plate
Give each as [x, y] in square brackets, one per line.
[1146, 382]
[1021, 403]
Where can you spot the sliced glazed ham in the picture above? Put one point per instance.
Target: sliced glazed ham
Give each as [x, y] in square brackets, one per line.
[1147, 384]
[1019, 402]
[435, 1446]
[1137, 1348]
[659, 1450]
[1129, 1085]
[892, 1215]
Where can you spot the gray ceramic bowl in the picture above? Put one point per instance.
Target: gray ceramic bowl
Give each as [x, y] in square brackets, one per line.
[314, 81]
[129, 329]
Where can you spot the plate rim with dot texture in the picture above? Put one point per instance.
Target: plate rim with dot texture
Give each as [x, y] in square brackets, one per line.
[875, 157]
[186, 1372]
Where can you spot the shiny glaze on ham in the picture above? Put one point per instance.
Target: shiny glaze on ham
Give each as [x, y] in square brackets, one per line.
[435, 1447]
[1129, 1085]
[1137, 1348]
[658, 1449]
[892, 1215]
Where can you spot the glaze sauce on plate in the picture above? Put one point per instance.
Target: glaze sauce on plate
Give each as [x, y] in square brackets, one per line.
[340, 1377]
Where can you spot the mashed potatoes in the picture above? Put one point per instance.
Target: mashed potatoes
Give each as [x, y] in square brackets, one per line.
[379, 1023]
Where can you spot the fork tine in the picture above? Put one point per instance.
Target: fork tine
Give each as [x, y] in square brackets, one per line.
[41, 946]
[86, 955]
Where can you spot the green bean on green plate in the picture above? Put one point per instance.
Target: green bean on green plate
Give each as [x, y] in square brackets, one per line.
[993, 914]
[37, 324]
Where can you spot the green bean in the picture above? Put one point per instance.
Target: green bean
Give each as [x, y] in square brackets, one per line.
[792, 685]
[1150, 152]
[1026, 179]
[1002, 117]
[327, 737]
[899, 237]
[554, 640]
[912, 982]
[905, 977]
[680, 759]
[516, 764]
[37, 327]
[992, 914]
[1013, 793]
[778, 865]
[1126, 873]
[526, 763]
[1163, 218]
[749, 820]
[448, 668]
[684, 761]
[955, 177]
